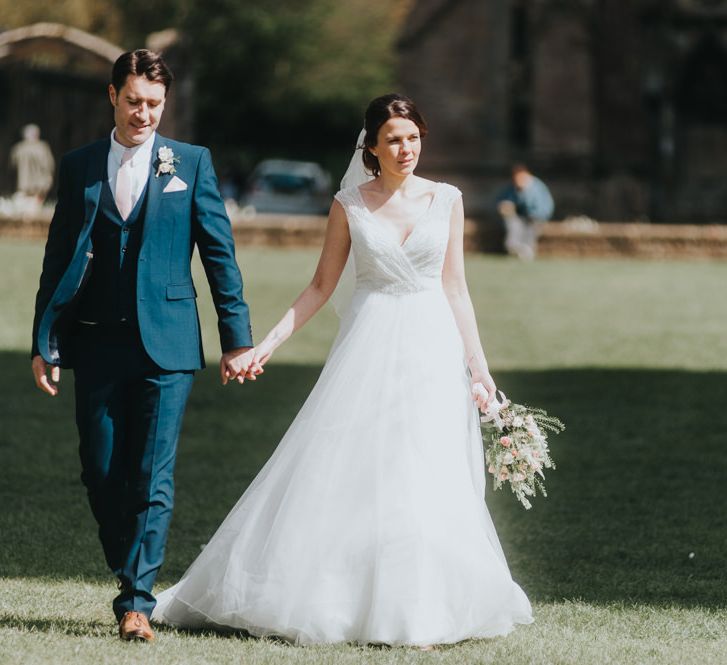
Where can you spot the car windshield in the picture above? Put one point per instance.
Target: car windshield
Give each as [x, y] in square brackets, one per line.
[285, 183]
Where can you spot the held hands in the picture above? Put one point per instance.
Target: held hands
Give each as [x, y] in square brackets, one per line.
[40, 369]
[237, 365]
[245, 362]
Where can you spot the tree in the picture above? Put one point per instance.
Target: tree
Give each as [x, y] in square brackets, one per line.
[142, 17]
[100, 17]
[273, 77]
[288, 78]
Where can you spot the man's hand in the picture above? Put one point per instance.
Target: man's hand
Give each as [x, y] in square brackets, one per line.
[235, 365]
[40, 373]
[506, 208]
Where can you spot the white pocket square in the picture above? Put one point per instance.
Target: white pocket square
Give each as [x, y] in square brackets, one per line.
[175, 185]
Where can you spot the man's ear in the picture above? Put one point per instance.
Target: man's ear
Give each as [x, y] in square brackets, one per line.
[112, 94]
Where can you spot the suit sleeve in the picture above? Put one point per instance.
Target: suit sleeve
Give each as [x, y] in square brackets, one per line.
[213, 236]
[58, 251]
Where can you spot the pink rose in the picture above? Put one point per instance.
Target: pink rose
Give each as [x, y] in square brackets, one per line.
[505, 441]
[491, 469]
[504, 475]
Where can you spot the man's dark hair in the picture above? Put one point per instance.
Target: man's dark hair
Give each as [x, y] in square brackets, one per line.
[141, 62]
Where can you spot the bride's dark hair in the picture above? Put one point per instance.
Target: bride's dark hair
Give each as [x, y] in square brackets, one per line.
[378, 112]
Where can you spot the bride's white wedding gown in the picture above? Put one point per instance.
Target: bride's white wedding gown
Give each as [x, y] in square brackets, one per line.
[368, 523]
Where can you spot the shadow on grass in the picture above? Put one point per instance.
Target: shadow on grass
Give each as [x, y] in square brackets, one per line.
[71, 627]
[77, 628]
[635, 513]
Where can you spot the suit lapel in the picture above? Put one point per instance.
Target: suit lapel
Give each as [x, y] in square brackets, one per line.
[154, 185]
[96, 173]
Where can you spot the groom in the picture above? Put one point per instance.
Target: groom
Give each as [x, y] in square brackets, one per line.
[117, 304]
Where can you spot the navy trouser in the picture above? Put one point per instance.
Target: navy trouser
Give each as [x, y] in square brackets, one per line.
[129, 413]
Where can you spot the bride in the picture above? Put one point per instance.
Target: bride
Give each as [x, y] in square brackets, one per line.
[368, 523]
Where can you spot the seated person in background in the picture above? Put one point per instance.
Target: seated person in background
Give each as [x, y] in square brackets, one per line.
[524, 205]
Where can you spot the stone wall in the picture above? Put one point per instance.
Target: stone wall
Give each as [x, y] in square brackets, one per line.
[576, 239]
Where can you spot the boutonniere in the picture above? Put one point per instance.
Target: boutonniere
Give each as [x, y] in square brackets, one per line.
[166, 161]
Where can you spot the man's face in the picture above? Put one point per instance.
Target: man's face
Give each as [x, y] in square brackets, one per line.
[138, 108]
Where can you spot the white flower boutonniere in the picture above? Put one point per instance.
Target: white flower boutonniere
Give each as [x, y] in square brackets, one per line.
[166, 161]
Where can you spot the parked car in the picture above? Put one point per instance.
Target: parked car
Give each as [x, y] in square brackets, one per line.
[288, 186]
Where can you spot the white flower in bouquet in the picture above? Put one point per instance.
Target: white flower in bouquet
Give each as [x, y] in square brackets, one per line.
[516, 446]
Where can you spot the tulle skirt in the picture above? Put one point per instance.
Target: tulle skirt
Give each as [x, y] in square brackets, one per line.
[368, 523]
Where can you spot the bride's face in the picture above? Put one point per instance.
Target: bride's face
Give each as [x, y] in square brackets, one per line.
[398, 146]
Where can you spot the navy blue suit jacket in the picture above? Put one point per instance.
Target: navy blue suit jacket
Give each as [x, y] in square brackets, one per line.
[174, 223]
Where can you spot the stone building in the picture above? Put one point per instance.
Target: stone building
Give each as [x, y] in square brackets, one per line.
[620, 105]
[57, 77]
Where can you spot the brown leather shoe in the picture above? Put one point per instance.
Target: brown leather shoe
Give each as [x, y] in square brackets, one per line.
[135, 626]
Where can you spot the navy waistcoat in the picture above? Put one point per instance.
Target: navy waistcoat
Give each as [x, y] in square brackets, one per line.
[110, 293]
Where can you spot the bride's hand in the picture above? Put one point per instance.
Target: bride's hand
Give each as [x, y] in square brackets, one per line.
[263, 353]
[483, 389]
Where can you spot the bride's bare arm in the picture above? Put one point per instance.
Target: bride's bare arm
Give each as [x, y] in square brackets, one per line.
[455, 287]
[330, 266]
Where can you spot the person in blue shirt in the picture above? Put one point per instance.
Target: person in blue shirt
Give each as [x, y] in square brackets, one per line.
[524, 205]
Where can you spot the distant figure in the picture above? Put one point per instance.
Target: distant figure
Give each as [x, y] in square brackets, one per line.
[524, 205]
[33, 160]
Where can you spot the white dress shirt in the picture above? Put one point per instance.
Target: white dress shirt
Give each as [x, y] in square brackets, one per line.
[140, 163]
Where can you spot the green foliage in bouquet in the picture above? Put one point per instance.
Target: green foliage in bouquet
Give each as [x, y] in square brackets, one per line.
[516, 446]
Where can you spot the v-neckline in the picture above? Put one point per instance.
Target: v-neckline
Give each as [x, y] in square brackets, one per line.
[400, 244]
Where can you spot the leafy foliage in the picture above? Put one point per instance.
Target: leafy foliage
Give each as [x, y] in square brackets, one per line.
[285, 78]
[272, 77]
[101, 17]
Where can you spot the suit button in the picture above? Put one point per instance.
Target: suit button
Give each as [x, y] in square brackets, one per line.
[123, 249]
[124, 230]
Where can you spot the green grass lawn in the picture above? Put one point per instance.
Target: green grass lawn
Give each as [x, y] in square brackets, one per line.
[632, 355]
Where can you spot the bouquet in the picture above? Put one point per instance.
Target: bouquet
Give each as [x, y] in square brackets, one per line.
[516, 446]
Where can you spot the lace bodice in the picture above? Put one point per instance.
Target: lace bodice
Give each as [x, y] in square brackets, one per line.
[382, 263]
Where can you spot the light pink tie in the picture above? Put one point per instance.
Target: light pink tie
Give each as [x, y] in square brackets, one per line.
[123, 186]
